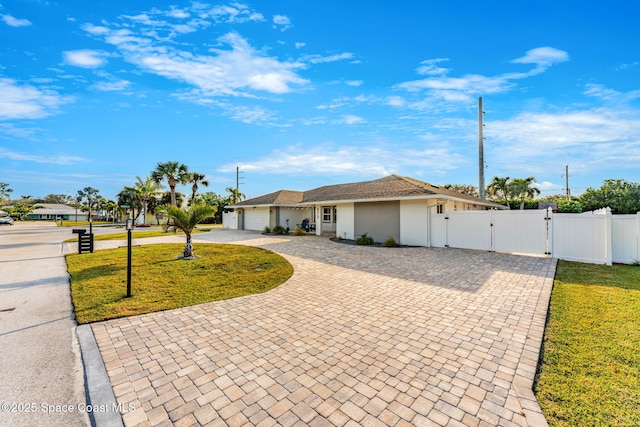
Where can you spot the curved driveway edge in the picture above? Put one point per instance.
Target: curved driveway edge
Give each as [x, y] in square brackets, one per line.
[357, 336]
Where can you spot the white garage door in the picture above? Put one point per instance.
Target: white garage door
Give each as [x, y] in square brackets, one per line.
[256, 219]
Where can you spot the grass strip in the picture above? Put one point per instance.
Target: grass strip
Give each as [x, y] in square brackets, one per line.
[590, 365]
[161, 282]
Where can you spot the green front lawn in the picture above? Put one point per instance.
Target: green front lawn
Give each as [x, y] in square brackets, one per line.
[590, 364]
[161, 282]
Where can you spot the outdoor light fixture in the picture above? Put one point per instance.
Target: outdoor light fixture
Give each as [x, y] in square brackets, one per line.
[129, 226]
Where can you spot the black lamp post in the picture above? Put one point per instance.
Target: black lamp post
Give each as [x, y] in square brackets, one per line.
[90, 228]
[129, 223]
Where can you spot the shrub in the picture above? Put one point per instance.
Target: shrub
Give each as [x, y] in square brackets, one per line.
[390, 243]
[266, 229]
[364, 240]
[278, 229]
[299, 232]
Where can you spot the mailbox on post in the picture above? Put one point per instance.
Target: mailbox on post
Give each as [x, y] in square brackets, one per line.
[85, 241]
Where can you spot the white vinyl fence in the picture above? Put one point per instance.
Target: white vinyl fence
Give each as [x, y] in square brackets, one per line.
[230, 220]
[594, 237]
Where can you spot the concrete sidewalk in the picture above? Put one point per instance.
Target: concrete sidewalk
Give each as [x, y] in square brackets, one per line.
[357, 336]
[42, 375]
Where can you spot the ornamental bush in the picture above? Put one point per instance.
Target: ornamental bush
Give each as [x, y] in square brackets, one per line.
[364, 240]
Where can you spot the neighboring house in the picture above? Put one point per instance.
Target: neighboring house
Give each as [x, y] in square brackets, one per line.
[54, 211]
[393, 206]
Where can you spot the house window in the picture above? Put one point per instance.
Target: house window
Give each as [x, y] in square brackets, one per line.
[440, 209]
[326, 214]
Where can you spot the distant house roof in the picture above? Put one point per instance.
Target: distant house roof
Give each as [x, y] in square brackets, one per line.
[388, 188]
[53, 209]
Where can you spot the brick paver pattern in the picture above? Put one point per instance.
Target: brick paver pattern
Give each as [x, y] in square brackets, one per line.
[365, 336]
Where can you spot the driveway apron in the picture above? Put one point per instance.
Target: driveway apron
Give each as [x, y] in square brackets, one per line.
[357, 336]
[42, 377]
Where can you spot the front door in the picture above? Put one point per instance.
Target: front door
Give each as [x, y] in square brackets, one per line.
[329, 215]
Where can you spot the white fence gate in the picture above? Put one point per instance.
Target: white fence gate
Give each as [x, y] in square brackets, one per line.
[594, 237]
[230, 220]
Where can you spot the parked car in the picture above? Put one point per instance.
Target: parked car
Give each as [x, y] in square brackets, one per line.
[6, 220]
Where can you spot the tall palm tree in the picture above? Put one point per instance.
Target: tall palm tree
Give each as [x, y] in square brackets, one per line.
[186, 220]
[523, 188]
[5, 191]
[195, 179]
[236, 195]
[498, 186]
[146, 189]
[174, 172]
[89, 194]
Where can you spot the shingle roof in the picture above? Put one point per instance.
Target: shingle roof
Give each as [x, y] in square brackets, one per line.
[389, 187]
[282, 197]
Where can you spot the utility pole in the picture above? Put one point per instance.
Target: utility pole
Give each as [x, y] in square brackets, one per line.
[238, 172]
[566, 175]
[480, 150]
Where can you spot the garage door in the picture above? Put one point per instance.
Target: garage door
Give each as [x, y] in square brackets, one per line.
[256, 219]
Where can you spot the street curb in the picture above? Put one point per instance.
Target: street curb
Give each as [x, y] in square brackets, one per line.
[98, 387]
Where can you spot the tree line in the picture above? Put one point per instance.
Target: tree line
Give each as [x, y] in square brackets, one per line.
[145, 196]
[623, 197]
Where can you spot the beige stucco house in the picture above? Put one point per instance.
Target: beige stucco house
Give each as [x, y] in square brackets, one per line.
[393, 206]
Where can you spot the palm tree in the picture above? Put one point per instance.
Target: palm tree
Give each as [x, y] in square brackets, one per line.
[146, 190]
[195, 179]
[499, 185]
[522, 188]
[174, 173]
[5, 191]
[89, 194]
[236, 195]
[186, 220]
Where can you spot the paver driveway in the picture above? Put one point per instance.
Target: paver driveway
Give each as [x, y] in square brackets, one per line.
[357, 336]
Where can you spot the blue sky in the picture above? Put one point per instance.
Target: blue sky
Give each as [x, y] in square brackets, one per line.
[300, 94]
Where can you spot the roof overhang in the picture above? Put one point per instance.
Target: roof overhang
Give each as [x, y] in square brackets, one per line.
[442, 197]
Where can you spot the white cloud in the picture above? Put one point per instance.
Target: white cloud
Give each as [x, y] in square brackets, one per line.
[299, 45]
[369, 161]
[350, 119]
[354, 83]
[112, 86]
[85, 58]
[57, 159]
[234, 69]
[281, 21]
[234, 13]
[465, 88]
[319, 59]
[543, 57]
[429, 67]
[607, 94]
[96, 30]
[595, 138]
[177, 13]
[396, 101]
[15, 22]
[18, 132]
[302, 160]
[23, 101]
